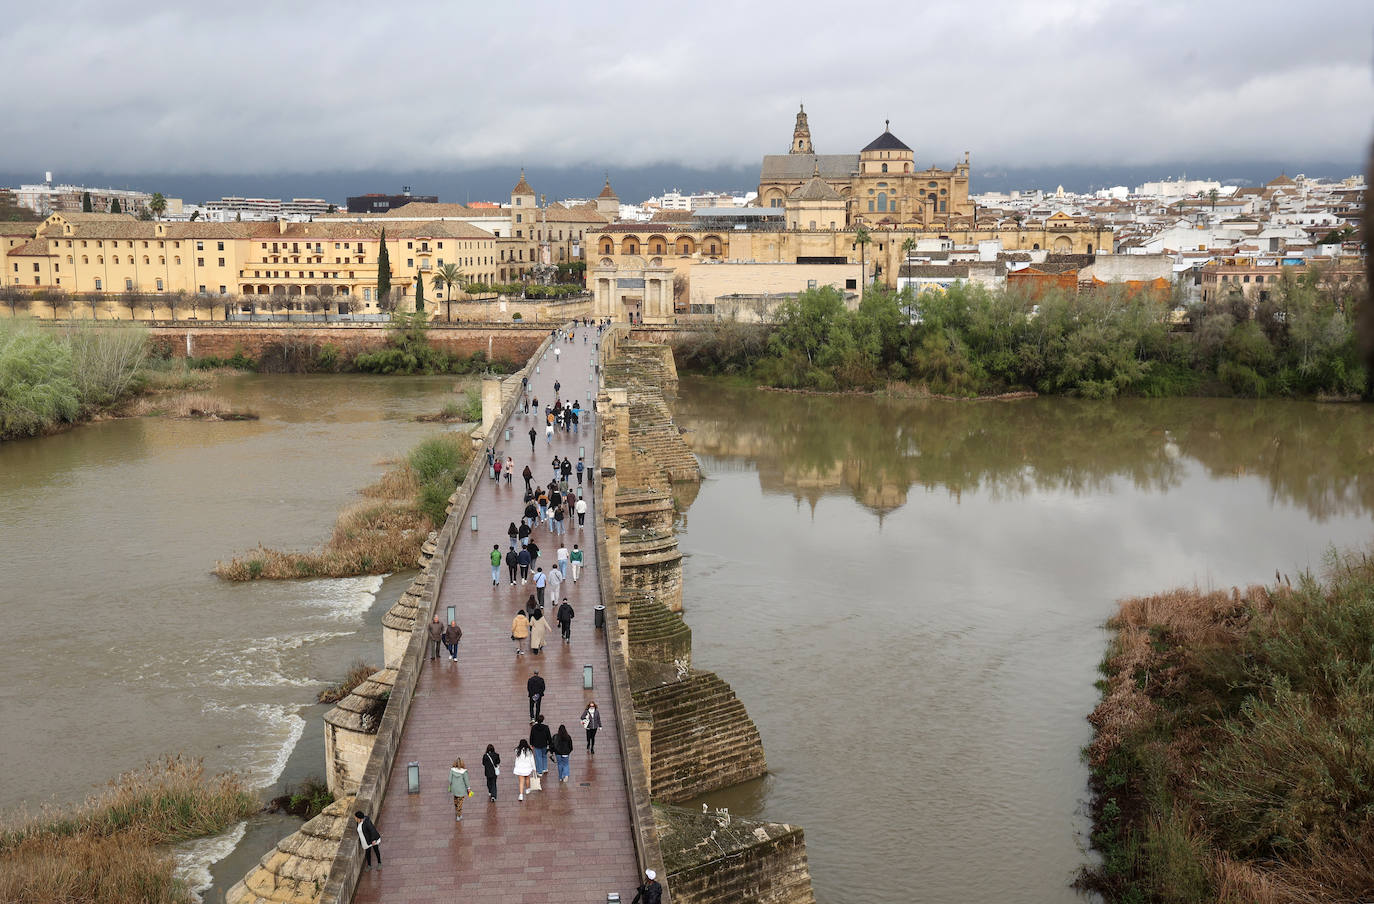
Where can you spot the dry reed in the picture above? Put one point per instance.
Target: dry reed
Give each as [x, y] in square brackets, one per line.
[380, 535]
[357, 674]
[112, 848]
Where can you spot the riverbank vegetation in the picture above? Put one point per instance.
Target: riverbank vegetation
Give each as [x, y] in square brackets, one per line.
[408, 351]
[52, 378]
[970, 341]
[1232, 759]
[379, 535]
[358, 672]
[113, 848]
[466, 409]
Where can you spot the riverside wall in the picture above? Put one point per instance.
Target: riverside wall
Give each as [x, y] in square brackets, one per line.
[498, 341]
[694, 732]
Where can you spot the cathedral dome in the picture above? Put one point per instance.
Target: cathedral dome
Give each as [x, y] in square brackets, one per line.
[886, 142]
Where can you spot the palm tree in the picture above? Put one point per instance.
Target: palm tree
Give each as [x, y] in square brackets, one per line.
[446, 277]
[862, 238]
[908, 246]
[158, 204]
[1212, 196]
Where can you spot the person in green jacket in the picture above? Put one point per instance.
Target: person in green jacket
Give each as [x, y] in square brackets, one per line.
[576, 559]
[458, 786]
[496, 559]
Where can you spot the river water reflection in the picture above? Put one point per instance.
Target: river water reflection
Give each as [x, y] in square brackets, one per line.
[909, 599]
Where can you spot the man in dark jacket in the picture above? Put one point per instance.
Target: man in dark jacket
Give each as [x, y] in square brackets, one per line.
[513, 563]
[436, 638]
[649, 892]
[565, 617]
[529, 478]
[370, 839]
[452, 634]
[540, 738]
[523, 560]
[535, 688]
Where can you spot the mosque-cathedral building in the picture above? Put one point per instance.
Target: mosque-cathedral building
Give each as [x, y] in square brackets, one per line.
[805, 231]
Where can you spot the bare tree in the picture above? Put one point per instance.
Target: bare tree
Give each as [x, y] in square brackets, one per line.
[151, 301]
[92, 300]
[58, 301]
[15, 299]
[131, 300]
[174, 301]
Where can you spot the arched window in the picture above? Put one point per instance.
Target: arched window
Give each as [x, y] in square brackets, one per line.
[884, 167]
[85, 259]
[882, 202]
[607, 246]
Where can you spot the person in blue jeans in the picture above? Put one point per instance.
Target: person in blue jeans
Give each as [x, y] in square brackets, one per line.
[562, 746]
[540, 737]
[496, 560]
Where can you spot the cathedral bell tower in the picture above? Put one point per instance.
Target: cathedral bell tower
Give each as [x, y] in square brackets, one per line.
[801, 135]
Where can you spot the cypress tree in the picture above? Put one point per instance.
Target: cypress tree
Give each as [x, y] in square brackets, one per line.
[419, 295]
[114, 206]
[383, 273]
[85, 202]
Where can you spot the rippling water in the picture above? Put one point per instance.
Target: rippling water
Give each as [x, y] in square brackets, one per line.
[909, 599]
[120, 645]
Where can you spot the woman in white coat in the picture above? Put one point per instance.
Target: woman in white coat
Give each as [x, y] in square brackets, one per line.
[524, 766]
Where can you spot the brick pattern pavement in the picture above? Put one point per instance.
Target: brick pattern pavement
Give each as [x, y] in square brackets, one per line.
[569, 843]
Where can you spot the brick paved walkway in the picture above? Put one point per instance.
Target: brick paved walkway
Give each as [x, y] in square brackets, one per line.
[570, 843]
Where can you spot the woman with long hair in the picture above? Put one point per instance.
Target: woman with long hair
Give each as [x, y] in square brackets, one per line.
[524, 766]
[491, 768]
[562, 748]
[459, 787]
[591, 721]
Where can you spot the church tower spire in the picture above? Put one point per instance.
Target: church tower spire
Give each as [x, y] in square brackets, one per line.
[801, 135]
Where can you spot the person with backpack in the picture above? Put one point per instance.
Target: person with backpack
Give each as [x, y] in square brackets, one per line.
[575, 558]
[496, 559]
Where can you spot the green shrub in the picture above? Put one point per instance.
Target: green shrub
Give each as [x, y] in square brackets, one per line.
[38, 389]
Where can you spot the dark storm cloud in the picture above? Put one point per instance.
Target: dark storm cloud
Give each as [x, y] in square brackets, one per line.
[306, 86]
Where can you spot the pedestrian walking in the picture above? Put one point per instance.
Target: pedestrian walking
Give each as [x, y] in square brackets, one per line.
[533, 435]
[520, 631]
[563, 558]
[496, 559]
[539, 632]
[534, 686]
[557, 387]
[524, 766]
[562, 747]
[557, 355]
[522, 559]
[565, 617]
[497, 466]
[509, 469]
[436, 638]
[575, 559]
[370, 839]
[567, 473]
[581, 511]
[459, 787]
[581, 466]
[527, 473]
[548, 436]
[555, 580]
[452, 634]
[512, 564]
[540, 737]
[649, 891]
[514, 534]
[491, 768]
[541, 581]
[591, 721]
[534, 552]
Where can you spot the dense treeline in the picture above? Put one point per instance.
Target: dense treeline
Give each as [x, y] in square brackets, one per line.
[969, 341]
[1232, 759]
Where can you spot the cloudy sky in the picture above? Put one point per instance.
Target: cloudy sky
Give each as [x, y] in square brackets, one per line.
[305, 86]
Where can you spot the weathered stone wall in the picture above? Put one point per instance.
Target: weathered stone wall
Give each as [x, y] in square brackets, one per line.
[758, 862]
[295, 870]
[350, 728]
[703, 739]
[506, 342]
[692, 728]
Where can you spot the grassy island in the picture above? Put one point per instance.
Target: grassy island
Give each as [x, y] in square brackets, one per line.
[113, 849]
[1233, 753]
